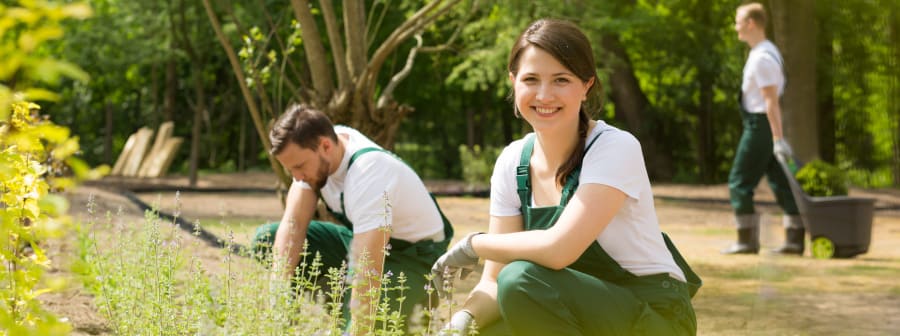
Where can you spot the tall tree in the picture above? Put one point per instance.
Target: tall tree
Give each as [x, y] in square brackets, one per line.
[795, 33]
[341, 74]
[825, 79]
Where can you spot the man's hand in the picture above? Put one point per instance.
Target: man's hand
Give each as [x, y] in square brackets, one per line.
[781, 147]
[460, 256]
[459, 324]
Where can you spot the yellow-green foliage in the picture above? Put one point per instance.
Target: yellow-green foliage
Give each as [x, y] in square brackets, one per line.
[36, 158]
[818, 178]
[24, 28]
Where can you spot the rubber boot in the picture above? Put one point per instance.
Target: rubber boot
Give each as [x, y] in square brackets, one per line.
[748, 235]
[794, 236]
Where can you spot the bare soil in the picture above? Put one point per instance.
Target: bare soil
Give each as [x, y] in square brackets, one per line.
[761, 294]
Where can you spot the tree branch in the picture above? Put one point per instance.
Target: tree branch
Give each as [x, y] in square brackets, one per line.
[412, 26]
[315, 51]
[354, 29]
[286, 59]
[373, 30]
[387, 94]
[446, 45]
[248, 97]
[337, 44]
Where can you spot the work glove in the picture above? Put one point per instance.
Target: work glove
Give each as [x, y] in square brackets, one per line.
[781, 147]
[459, 324]
[459, 257]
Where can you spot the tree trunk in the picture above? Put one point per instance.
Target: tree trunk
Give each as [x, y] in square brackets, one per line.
[108, 134]
[200, 109]
[825, 80]
[894, 86]
[470, 127]
[705, 146]
[242, 143]
[796, 38]
[171, 90]
[707, 71]
[632, 105]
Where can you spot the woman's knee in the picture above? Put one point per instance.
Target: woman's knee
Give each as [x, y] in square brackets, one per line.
[518, 278]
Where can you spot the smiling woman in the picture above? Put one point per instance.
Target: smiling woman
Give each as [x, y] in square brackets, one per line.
[574, 245]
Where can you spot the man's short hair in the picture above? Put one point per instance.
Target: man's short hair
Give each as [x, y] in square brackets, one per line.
[756, 12]
[300, 124]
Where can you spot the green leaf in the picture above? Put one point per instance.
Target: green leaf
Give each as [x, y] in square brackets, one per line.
[34, 94]
[53, 205]
[77, 10]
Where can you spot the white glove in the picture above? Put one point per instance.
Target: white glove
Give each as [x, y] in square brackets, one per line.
[781, 147]
[459, 257]
[459, 324]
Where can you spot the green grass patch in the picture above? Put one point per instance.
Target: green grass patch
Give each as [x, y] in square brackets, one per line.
[864, 270]
[235, 224]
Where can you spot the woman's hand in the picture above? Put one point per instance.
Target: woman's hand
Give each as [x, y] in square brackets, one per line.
[459, 257]
[459, 324]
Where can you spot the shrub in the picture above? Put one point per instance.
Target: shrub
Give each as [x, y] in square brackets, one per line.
[36, 159]
[819, 178]
[477, 165]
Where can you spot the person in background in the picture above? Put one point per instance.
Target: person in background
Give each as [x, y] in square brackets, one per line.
[762, 138]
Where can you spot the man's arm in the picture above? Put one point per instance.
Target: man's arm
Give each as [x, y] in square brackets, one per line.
[773, 110]
[367, 260]
[299, 208]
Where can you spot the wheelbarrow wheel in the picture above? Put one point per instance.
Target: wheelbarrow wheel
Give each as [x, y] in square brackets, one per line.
[822, 248]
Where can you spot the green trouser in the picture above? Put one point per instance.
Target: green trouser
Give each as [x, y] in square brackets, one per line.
[594, 295]
[535, 300]
[752, 160]
[332, 242]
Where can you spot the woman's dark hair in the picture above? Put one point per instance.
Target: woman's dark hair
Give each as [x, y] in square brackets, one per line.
[300, 124]
[568, 45]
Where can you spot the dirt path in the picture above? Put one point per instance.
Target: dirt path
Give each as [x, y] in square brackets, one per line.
[742, 295]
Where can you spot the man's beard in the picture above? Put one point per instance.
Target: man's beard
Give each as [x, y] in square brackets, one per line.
[322, 174]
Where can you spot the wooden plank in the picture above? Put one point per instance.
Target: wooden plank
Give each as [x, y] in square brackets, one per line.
[162, 135]
[123, 157]
[137, 154]
[163, 160]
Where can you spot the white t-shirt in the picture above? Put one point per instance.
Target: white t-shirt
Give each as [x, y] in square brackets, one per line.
[632, 238]
[381, 190]
[763, 68]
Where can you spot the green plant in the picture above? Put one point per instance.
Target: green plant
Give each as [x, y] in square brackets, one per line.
[36, 158]
[23, 65]
[148, 281]
[819, 178]
[477, 165]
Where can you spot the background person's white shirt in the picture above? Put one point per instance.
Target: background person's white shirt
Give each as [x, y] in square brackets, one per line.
[373, 177]
[633, 236]
[763, 68]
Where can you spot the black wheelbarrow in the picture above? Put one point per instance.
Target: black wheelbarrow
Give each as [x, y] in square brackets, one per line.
[838, 226]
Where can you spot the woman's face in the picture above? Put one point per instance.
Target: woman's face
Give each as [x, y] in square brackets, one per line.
[547, 93]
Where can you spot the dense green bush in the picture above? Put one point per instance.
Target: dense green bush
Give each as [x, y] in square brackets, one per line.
[37, 159]
[477, 165]
[819, 178]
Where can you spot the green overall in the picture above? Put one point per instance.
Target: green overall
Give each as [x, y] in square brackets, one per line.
[752, 160]
[594, 295]
[332, 242]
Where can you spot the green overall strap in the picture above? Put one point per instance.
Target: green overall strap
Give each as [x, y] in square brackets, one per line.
[349, 164]
[693, 280]
[342, 217]
[523, 177]
[523, 174]
[448, 228]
